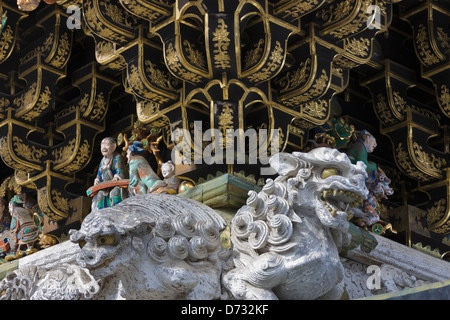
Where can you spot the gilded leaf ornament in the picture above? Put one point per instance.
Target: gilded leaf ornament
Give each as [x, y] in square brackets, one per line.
[31, 153]
[222, 42]
[173, 62]
[432, 162]
[253, 55]
[195, 57]
[301, 8]
[436, 212]
[358, 47]
[275, 61]
[444, 98]
[6, 41]
[404, 162]
[63, 52]
[427, 57]
[80, 160]
[60, 202]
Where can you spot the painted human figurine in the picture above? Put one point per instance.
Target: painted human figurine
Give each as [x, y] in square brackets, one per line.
[23, 230]
[360, 150]
[112, 168]
[142, 177]
[171, 182]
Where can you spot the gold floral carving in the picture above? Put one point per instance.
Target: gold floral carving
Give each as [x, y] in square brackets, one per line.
[6, 41]
[63, 53]
[316, 109]
[301, 8]
[343, 11]
[226, 122]
[253, 55]
[299, 76]
[432, 163]
[62, 154]
[141, 11]
[26, 98]
[156, 76]
[275, 61]
[436, 212]
[115, 13]
[100, 107]
[173, 62]
[42, 104]
[443, 38]
[147, 109]
[103, 31]
[358, 47]
[195, 57]
[336, 11]
[51, 211]
[222, 42]
[60, 202]
[427, 57]
[7, 159]
[3, 104]
[10, 184]
[137, 85]
[80, 160]
[316, 90]
[444, 98]
[32, 153]
[403, 161]
[383, 111]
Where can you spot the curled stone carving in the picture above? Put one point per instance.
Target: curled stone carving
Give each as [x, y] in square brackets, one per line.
[295, 228]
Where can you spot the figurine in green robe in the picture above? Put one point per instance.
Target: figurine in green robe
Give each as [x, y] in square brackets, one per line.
[360, 150]
[112, 168]
[142, 177]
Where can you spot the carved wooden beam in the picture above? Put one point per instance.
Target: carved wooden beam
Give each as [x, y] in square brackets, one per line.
[408, 123]
[429, 21]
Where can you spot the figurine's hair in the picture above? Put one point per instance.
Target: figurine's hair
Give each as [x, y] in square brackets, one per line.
[111, 139]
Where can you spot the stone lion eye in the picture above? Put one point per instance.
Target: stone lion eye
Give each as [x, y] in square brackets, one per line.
[329, 172]
[106, 240]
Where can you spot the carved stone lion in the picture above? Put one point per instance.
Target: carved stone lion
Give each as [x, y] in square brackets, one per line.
[286, 240]
[153, 247]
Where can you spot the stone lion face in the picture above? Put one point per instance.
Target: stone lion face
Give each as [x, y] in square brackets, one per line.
[326, 175]
[103, 249]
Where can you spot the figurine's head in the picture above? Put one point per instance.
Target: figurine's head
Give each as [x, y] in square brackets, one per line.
[368, 140]
[137, 148]
[167, 169]
[15, 201]
[108, 146]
